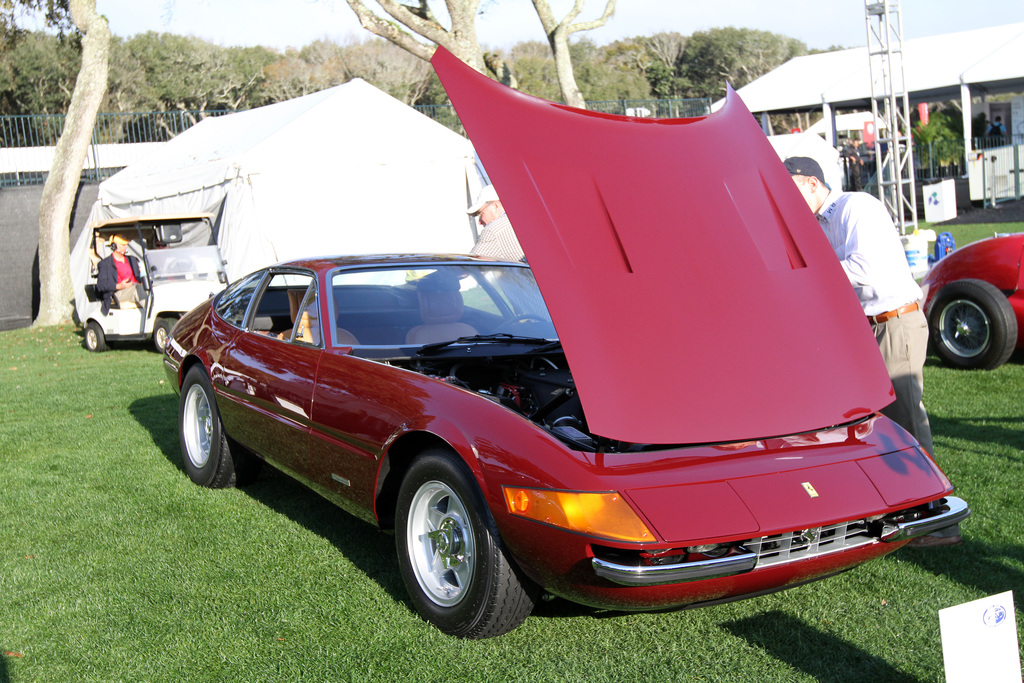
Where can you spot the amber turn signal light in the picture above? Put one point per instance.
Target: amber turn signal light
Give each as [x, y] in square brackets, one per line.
[605, 515]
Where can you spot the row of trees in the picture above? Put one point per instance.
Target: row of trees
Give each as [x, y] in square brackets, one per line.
[166, 72]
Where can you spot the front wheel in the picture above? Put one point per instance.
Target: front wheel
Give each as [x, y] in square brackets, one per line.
[972, 325]
[452, 560]
[95, 340]
[210, 458]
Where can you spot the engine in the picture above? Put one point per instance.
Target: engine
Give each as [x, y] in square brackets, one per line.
[539, 387]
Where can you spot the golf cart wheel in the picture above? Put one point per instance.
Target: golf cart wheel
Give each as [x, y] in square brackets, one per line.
[162, 332]
[95, 340]
[972, 325]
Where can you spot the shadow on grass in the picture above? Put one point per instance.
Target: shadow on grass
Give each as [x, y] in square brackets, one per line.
[121, 344]
[365, 546]
[159, 416]
[369, 549]
[1003, 431]
[982, 566]
[5, 676]
[1016, 358]
[820, 655]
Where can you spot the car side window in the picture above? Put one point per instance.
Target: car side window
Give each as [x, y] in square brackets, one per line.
[286, 309]
[234, 302]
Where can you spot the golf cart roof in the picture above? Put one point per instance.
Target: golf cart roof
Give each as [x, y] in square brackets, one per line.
[153, 218]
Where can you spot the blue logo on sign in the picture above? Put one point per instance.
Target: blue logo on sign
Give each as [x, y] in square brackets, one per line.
[994, 615]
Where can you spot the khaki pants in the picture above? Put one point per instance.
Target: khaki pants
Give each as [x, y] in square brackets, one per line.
[128, 295]
[903, 341]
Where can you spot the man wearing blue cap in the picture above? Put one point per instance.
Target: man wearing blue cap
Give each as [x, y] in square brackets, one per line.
[864, 238]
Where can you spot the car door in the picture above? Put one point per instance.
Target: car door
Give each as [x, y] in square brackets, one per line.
[270, 369]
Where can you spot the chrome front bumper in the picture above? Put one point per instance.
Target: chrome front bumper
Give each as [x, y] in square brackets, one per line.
[950, 511]
[657, 575]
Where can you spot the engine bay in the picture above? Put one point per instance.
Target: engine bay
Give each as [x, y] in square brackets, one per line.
[539, 387]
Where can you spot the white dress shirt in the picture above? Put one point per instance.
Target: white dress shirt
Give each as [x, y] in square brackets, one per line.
[864, 238]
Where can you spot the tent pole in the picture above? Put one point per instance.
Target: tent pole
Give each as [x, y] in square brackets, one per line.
[965, 111]
[829, 116]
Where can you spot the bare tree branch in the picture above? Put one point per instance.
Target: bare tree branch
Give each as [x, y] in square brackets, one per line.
[460, 39]
[558, 33]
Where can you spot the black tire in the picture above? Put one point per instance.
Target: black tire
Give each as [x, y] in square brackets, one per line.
[162, 332]
[207, 452]
[95, 340]
[972, 325]
[452, 560]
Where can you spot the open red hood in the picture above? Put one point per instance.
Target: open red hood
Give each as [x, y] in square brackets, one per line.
[695, 295]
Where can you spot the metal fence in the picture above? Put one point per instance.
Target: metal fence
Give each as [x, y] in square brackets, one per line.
[658, 109]
[27, 141]
[43, 130]
[941, 159]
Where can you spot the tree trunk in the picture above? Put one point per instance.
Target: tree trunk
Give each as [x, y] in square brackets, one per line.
[558, 33]
[563, 69]
[55, 291]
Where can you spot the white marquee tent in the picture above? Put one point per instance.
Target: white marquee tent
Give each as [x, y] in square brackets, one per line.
[947, 67]
[348, 170]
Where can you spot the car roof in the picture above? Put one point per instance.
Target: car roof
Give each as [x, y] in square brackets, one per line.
[322, 263]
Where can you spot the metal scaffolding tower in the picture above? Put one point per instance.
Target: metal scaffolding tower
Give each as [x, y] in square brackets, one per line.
[890, 106]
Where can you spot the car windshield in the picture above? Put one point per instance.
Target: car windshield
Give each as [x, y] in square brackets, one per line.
[433, 304]
[185, 263]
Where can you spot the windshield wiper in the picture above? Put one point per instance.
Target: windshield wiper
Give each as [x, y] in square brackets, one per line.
[552, 345]
[497, 338]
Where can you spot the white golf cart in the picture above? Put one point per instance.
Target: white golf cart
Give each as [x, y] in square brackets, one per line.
[178, 273]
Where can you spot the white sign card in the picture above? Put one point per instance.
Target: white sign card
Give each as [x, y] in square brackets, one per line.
[979, 641]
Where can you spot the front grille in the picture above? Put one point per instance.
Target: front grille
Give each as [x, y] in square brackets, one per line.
[798, 545]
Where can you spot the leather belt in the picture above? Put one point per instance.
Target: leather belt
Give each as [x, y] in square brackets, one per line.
[888, 315]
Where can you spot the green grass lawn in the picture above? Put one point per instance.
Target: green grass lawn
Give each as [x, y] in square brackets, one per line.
[965, 234]
[115, 567]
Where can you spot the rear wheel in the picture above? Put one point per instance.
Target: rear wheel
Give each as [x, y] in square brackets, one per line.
[452, 560]
[972, 325]
[95, 340]
[208, 455]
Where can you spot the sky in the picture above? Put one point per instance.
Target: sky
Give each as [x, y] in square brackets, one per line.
[281, 24]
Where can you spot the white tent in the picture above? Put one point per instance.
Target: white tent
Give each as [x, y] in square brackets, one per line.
[845, 123]
[979, 62]
[348, 170]
[813, 146]
[936, 68]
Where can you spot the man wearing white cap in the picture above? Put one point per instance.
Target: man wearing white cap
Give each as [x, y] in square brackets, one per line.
[497, 239]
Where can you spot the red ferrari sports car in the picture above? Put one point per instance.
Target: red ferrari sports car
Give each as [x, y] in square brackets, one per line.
[975, 303]
[674, 404]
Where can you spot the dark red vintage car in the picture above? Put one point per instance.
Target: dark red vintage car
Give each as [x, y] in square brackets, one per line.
[975, 303]
[687, 415]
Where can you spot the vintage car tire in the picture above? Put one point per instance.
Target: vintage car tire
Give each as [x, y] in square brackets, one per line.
[972, 325]
[162, 332]
[206, 451]
[441, 518]
[95, 340]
